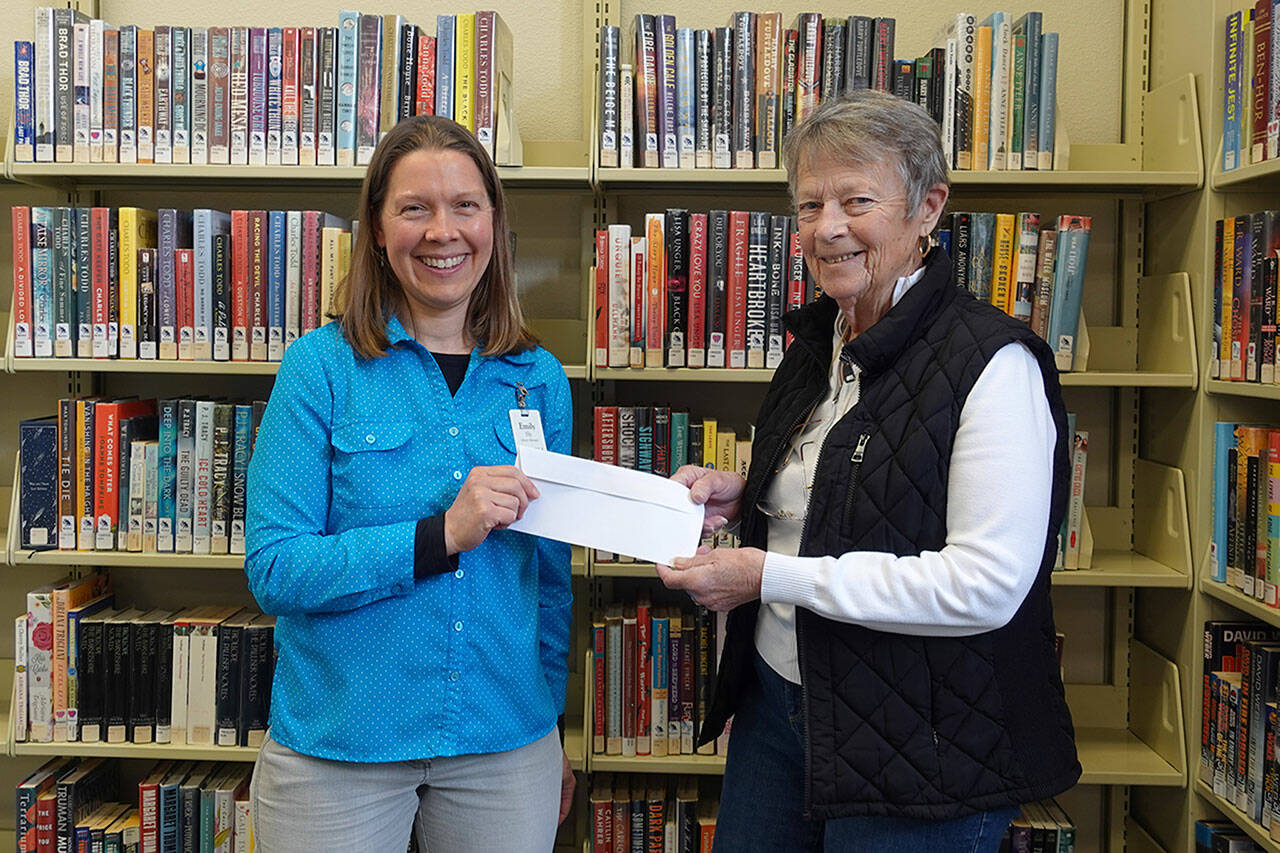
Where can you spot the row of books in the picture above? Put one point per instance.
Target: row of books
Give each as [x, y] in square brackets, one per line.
[1033, 271]
[1251, 87]
[164, 476]
[1244, 550]
[1240, 717]
[180, 807]
[1042, 827]
[86, 671]
[1244, 298]
[697, 289]
[675, 97]
[90, 92]
[654, 667]
[189, 285]
[634, 813]
[1223, 836]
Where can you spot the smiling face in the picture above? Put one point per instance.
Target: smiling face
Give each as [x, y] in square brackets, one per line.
[436, 225]
[857, 237]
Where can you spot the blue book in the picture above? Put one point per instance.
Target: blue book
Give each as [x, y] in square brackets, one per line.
[179, 72]
[38, 483]
[686, 98]
[42, 281]
[1048, 98]
[1031, 23]
[344, 144]
[444, 65]
[167, 475]
[1224, 441]
[241, 444]
[1068, 284]
[944, 240]
[168, 817]
[275, 284]
[24, 117]
[1231, 102]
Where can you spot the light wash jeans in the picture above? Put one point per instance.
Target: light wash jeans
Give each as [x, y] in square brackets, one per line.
[503, 801]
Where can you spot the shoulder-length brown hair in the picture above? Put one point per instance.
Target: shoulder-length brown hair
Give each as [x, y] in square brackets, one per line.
[370, 293]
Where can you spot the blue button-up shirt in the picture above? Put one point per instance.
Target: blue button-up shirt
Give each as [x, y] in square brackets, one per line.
[373, 665]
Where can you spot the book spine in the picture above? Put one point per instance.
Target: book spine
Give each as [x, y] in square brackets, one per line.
[308, 95]
[20, 217]
[664, 31]
[445, 26]
[717, 286]
[220, 479]
[644, 678]
[259, 99]
[809, 79]
[744, 85]
[409, 54]
[722, 97]
[132, 522]
[676, 228]
[42, 281]
[703, 51]
[425, 87]
[768, 57]
[64, 296]
[84, 281]
[368, 63]
[686, 95]
[292, 282]
[273, 70]
[629, 676]
[64, 92]
[1048, 99]
[795, 272]
[757, 284]
[639, 275]
[166, 475]
[24, 115]
[239, 478]
[274, 245]
[290, 115]
[229, 663]
[184, 291]
[1064, 314]
[144, 63]
[180, 81]
[646, 91]
[201, 511]
[240, 285]
[776, 290]
[601, 299]
[697, 340]
[148, 327]
[244, 98]
[163, 95]
[327, 100]
[1046, 254]
[20, 699]
[485, 100]
[225, 84]
[185, 495]
[738, 284]
[655, 300]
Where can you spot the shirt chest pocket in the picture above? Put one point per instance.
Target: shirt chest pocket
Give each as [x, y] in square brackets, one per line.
[373, 464]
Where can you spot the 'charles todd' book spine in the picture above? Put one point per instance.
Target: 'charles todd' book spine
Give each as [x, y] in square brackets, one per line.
[221, 286]
[83, 253]
[757, 287]
[676, 231]
[779, 242]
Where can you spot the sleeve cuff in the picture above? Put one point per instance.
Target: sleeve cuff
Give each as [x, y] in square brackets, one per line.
[788, 580]
[429, 553]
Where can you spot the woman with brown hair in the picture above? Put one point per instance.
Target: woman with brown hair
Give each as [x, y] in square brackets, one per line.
[422, 646]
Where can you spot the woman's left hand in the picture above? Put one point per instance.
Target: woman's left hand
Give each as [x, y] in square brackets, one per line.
[567, 783]
[717, 578]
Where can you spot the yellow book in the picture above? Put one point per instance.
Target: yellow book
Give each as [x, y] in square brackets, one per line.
[726, 450]
[137, 231]
[390, 106]
[1002, 278]
[464, 70]
[708, 442]
[1228, 272]
[743, 450]
[332, 268]
[146, 65]
[982, 98]
[655, 308]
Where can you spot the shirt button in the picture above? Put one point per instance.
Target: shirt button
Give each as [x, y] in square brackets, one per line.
[459, 573]
[457, 475]
[453, 430]
[455, 675]
[457, 626]
[369, 439]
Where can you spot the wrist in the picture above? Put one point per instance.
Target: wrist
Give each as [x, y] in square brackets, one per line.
[450, 541]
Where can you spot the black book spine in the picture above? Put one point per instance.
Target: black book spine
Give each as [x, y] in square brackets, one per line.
[92, 674]
[882, 54]
[408, 70]
[757, 287]
[610, 48]
[118, 669]
[252, 718]
[744, 87]
[142, 681]
[326, 71]
[960, 237]
[696, 437]
[148, 312]
[705, 674]
[676, 235]
[228, 703]
[164, 681]
[1233, 521]
[904, 79]
[717, 288]
[259, 408]
[779, 245]
[83, 335]
[832, 59]
[661, 432]
[722, 120]
[859, 35]
[1267, 355]
[639, 810]
[703, 50]
[220, 504]
[627, 437]
[221, 279]
[1248, 555]
[189, 819]
[790, 64]
[65, 829]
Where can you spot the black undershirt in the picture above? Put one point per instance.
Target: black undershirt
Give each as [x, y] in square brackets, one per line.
[430, 556]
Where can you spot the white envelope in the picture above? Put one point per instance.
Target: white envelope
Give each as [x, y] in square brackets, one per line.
[614, 509]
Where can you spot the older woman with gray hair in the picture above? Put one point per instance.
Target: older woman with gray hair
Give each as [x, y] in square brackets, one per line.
[889, 664]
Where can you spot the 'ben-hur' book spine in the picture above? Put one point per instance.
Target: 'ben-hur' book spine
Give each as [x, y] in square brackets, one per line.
[676, 229]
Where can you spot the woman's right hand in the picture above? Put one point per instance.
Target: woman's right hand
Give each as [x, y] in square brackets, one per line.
[491, 498]
[721, 491]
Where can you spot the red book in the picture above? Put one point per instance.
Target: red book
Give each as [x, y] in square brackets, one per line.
[239, 285]
[629, 681]
[289, 114]
[424, 102]
[100, 279]
[602, 298]
[1261, 77]
[795, 276]
[602, 817]
[606, 451]
[311, 247]
[22, 281]
[697, 343]
[106, 465]
[184, 286]
[258, 224]
[46, 822]
[639, 292]
[149, 808]
[644, 677]
[736, 334]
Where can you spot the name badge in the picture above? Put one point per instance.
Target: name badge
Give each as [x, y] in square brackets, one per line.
[526, 427]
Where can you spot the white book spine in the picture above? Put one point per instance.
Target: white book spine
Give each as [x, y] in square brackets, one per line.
[949, 103]
[181, 667]
[137, 493]
[202, 684]
[81, 111]
[96, 28]
[626, 119]
[998, 146]
[164, 96]
[43, 84]
[244, 828]
[151, 497]
[20, 678]
[293, 280]
[199, 106]
[1075, 500]
[201, 508]
[40, 666]
[239, 110]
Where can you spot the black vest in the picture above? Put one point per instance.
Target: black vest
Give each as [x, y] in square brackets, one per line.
[900, 725]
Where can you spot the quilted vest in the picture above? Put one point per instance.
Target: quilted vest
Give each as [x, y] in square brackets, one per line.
[898, 725]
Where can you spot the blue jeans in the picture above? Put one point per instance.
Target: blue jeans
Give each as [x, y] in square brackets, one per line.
[762, 801]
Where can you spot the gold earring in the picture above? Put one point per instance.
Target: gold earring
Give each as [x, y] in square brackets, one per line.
[926, 243]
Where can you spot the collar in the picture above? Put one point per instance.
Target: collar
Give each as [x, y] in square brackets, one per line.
[397, 334]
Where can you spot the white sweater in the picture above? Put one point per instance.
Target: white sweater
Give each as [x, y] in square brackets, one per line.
[998, 493]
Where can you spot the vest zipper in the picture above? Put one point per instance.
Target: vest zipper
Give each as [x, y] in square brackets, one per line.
[856, 459]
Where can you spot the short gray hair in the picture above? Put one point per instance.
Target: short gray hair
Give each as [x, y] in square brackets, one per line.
[869, 126]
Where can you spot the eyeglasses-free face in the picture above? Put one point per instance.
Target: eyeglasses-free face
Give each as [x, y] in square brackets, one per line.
[436, 226]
